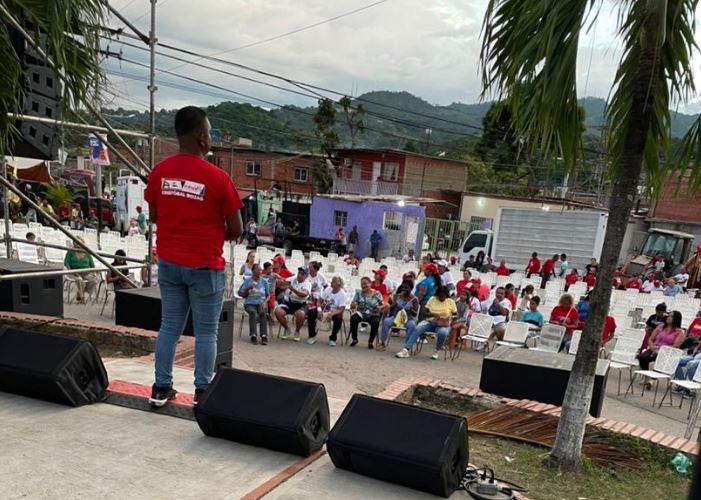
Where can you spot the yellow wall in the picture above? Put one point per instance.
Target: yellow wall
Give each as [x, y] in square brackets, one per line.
[484, 206]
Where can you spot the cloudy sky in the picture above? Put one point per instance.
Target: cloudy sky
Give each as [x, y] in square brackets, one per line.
[429, 48]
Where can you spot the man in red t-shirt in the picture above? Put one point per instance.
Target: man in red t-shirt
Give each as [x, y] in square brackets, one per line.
[533, 266]
[195, 207]
[548, 268]
[590, 280]
[608, 330]
[502, 270]
[465, 282]
[634, 283]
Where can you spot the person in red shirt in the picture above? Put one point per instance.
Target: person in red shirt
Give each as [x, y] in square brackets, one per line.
[565, 314]
[280, 268]
[465, 282]
[379, 285]
[634, 283]
[533, 266]
[502, 270]
[694, 329]
[608, 330]
[196, 207]
[571, 279]
[548, 268]
[510, 293]
[590, 280]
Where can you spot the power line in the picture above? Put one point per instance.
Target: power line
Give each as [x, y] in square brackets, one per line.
[295, 31]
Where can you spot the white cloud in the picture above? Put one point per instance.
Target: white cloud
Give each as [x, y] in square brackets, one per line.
[428, 48]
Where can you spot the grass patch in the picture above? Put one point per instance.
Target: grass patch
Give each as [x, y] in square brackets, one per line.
[111, 351]
[656, 478]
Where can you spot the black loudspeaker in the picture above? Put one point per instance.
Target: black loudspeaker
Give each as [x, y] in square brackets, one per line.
[278, 413]
[38, 295]
[539, 376]
[62, 370]
[418, 448]
[141, 308]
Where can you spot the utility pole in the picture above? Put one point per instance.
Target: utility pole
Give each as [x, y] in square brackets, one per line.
[152, 124]
[6, 208]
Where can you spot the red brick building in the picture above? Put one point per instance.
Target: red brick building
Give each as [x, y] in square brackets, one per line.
[389, 171]
[678, 210]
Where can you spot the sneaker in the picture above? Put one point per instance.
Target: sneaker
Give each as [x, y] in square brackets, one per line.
[480, 348]
[311, 340]
[286, 334]
[198, 395]
[381, 346]
[296, 337]
[404, 353]
[264, 341]
[254, 340]
[159, 397]
[332, 343]
[354, 343]
[435, 355]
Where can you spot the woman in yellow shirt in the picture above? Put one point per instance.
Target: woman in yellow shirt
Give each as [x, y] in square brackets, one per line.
[438, 312]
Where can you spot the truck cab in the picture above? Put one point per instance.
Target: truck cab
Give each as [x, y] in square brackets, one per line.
[674, 246]
[476, 241]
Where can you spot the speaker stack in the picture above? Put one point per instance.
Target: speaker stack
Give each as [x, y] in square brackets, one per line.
[61, 370]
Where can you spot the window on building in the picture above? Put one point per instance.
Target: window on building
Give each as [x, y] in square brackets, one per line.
[340, 218]
[215, 160]
[253, 168]
[392, 221]
[391, 171]
[301, 174]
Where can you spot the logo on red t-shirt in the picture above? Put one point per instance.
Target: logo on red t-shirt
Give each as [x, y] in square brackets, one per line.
[186, 189]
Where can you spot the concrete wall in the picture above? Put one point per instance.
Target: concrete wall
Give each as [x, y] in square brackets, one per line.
[367, 216]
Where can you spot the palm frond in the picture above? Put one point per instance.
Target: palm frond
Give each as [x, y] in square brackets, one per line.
[673, 81]
[70, 32]
[529, 56]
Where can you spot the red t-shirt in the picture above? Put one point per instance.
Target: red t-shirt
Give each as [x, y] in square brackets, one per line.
[636, 284]
[571, 279]
[284, 273]
[502, 271]
[380, 287]
[548, 267]
[609, 328]
[462, 284]
[191, 197]
[590, 280]
[695, 327]
[534, 265]
[559, 314]
[512, 298]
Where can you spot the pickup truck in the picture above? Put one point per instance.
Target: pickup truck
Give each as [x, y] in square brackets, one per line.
[293, 240]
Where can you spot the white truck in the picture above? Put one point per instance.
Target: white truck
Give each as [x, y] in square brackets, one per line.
[518, 232]
[130, 194]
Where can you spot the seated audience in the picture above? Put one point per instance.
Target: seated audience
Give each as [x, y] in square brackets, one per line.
[254, 291]
[86, 282]
[465, 282]
[439, 311]
[669, 333]
[402, 313]
[117, 281]
[499, 309]
[333, 304]
[296, 292]
[571, 279]
[526, 296]
[672, 289]
[634, 283]
[565, 314]
[501, 269]
[366, 307]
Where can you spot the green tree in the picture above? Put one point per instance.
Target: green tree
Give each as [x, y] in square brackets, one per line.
[354, 116]
[529, 53]
[325, 121]
[71, 31]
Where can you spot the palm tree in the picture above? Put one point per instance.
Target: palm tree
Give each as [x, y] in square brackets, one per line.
[70, 29]
[529, 56]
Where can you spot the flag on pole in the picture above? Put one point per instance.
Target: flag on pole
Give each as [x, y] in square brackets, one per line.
[99, 154]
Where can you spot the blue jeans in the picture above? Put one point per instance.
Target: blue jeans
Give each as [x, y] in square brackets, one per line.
[387, 326]
[256, 316]
[691, 363]
[182, 289]
[426, 327]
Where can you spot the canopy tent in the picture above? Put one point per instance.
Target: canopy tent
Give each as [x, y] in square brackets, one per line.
[28, 169]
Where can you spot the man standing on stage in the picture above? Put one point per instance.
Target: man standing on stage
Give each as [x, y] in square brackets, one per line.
[195, 207]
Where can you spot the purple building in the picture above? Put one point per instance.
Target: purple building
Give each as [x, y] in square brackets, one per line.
[401, 227]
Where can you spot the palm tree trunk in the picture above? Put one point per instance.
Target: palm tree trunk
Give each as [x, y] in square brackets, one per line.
[566, 451]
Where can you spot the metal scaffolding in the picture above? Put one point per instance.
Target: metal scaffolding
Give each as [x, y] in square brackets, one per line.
[139, 168]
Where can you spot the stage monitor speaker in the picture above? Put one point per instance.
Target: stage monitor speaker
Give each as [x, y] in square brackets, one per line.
[415, 447]
[62, 370]
[278, 413]
[540, 376]
[31, 295]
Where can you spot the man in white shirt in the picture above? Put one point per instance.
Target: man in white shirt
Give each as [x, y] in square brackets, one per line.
[446, 277]
[499, 308]
[334, 299]
[297, 291]
[409, 257]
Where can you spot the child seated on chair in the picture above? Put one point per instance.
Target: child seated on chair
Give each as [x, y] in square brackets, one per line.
[533, 317]
[467, 305]
[403, 307]
[255, 292]
[439, 311]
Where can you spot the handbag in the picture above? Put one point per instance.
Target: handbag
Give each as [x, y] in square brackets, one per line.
[400, 319]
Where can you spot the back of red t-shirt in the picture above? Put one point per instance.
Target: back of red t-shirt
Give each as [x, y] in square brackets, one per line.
[191, 197]
[534, 265]
[548, 266]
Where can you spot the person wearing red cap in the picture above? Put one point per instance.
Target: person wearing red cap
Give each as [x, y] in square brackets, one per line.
[141, 219]
[196, 208]
[379, 285]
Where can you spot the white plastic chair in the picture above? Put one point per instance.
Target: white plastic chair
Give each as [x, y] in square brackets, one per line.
[515, 334]
[480, 329]
[550, 338]
[691, 385]
[624, 355]
[663, 369]
[574, 342]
